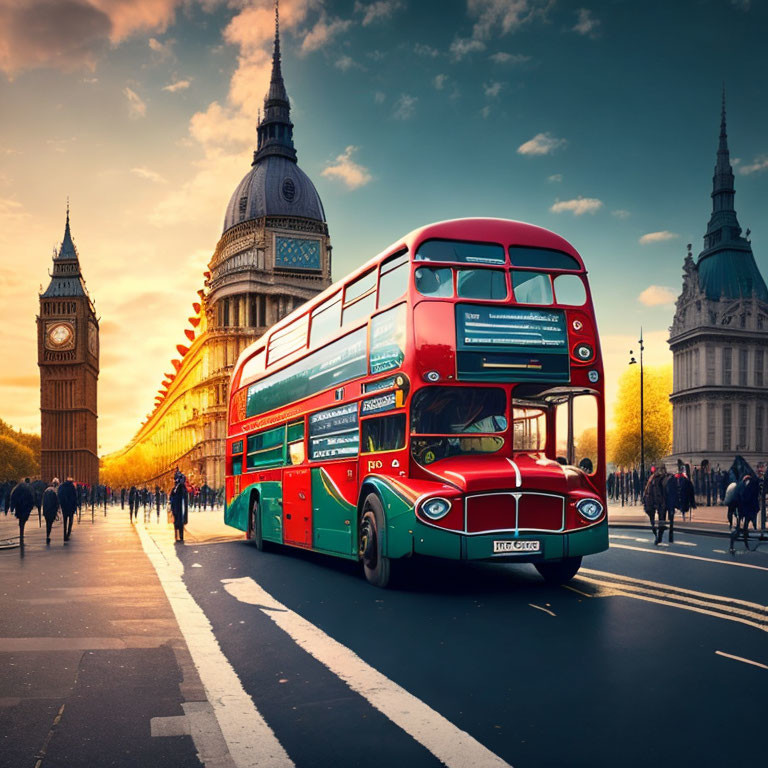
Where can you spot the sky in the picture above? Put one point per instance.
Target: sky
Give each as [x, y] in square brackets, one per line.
[598, 120]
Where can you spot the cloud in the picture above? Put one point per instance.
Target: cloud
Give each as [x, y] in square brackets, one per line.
[136, 106]
[758, 165]
[346, 170]
[13, 219]
[72, 34]
[440, 81]
[586, 23]
[504, 16]
[177, 85]
[541, 144]
[420, 49]
[621, 213]
[323, 32]
[345, 63]
[381, 10]
[460, 47]
[163, 50]
[379, 97]
[149, 175]
[502, 57]
[657, 237]
[485, 112]
[492, 89]
[656, 295]
[555, 178]
[405, 107]
[578, 206]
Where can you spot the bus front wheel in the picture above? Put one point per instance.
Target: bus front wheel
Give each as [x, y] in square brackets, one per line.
[375, 564]
[560, 571]
[254, 525]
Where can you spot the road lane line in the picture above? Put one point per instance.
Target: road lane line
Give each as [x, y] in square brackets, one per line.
[539, 608]
[741, 658]
[448, 743]
[577, 591]
[251, 742]
[689, 557]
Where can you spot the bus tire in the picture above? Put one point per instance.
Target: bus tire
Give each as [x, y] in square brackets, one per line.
[561, 571]
[254, 525]
[376, 566]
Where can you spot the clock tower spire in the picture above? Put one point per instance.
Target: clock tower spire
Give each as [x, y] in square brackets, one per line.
[68, 358]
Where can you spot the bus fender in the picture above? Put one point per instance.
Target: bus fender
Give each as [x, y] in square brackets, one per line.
[236, 513]
[398, 515]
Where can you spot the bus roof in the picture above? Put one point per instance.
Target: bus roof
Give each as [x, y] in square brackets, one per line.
[506, 232]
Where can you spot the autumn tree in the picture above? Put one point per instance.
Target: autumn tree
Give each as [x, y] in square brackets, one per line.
[624, 445]
[16, 460]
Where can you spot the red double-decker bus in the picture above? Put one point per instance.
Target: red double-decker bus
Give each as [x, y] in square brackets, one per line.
[445, 399]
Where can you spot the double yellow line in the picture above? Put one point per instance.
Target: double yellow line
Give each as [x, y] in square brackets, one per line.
[606, 584]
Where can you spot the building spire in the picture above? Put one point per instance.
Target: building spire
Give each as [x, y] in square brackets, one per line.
[276, 129]
[67, 250]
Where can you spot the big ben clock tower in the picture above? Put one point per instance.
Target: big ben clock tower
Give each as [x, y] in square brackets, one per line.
[68, 356]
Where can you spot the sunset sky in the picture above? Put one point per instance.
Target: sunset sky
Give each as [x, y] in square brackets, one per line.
[598, 120]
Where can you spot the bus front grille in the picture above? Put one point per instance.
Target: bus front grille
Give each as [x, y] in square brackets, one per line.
[514, 511]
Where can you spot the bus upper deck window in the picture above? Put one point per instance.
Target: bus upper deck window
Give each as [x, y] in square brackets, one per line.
[431, 281]
[541, 258]
[532, 287]
[393, 281]
[481, 284]
[570, 290]
[458, 251]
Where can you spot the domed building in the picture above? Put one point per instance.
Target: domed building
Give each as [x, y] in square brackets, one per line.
[719, 339]
[273, 255]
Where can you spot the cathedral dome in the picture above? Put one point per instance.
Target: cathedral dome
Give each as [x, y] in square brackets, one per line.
[275, 186]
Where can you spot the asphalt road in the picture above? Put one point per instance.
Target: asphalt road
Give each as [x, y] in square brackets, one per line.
[626, 667]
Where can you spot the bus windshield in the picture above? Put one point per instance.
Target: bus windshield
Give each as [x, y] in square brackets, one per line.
[448, 421]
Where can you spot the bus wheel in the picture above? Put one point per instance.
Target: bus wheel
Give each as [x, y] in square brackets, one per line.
[375, 564]
[254, 525]
[560, 571]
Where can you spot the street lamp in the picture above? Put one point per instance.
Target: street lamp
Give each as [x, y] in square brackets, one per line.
[632, 361]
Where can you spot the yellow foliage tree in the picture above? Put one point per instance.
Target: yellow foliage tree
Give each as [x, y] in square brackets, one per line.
[16, 460]
[586, 445]
[624, 443]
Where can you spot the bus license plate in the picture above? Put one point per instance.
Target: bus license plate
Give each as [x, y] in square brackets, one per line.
[516, 547]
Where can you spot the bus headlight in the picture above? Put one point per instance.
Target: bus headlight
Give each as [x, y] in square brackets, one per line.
[584, 352]
[434, 509]
[590, 509]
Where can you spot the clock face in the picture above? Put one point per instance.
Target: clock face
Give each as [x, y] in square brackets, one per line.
[61, 335]
[93, 339]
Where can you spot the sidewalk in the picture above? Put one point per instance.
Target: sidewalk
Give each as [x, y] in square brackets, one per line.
[95, 671]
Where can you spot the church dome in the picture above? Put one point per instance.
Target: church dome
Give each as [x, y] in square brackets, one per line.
[275, 186]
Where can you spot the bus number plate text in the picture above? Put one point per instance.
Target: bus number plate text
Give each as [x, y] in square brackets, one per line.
[516, 547]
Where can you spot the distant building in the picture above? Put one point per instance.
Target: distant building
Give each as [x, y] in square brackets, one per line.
[68, 358]
[719, 340]
[273, 255]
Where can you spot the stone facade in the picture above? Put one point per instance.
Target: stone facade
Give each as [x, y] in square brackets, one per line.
[719, 341]
[68, 358]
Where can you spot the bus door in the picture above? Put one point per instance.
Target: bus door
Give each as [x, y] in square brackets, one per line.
[297, 507]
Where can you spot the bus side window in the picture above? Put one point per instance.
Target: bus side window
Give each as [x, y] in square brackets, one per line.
[237, 458]
[326, 320]
[481, 284]
[265, 449]
[296, 452]
[359, 298]
[385, 433]
[394, 278]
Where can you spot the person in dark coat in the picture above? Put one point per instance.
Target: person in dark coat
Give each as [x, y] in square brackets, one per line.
[50, 507]
[22, 501]
[748, 505]
[133, 502]
[179, 506]
[654, 500]
[678, 495]
[68, 501]
[157, 501]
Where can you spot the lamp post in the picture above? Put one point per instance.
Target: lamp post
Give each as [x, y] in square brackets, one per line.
[632, 361]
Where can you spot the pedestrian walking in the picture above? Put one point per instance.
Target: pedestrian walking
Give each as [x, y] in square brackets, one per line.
[654, 501]
[179, 507]
[22, 501]
[69, 502]
[133, 502]
[748, 505]
[157, 501]
[678, 495]
[50, 507]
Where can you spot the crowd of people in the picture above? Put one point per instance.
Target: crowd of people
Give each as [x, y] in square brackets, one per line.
[66, 499]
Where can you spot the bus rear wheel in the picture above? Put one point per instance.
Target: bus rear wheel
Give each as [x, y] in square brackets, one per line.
[376, 565]
[254, 525]
[561, 571]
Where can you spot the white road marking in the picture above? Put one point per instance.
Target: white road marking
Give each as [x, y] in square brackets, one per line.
[686, 544]
[539, 608]
[251, 742]
[577, 591]
[452, 746]
[690, 557]
[740, 658]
